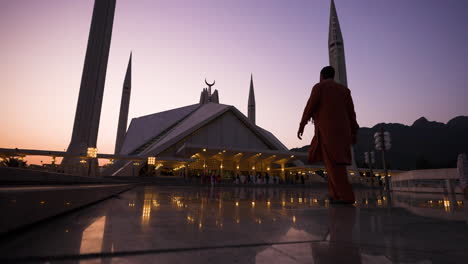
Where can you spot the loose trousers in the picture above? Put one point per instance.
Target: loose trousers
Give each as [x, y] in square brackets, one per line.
[338, 183]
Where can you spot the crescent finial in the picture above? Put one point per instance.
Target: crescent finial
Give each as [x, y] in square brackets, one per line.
[214, 81]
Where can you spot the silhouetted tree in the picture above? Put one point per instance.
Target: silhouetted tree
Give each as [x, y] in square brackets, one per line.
[12, 162]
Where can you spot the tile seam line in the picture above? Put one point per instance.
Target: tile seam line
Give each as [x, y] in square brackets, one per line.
[189, 249]
[149, 251]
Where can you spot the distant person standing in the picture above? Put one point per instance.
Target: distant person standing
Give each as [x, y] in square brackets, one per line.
[331, 108]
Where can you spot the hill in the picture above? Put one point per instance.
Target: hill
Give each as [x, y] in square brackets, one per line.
[423, 145]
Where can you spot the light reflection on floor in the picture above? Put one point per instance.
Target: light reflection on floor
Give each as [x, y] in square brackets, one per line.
[253, 225]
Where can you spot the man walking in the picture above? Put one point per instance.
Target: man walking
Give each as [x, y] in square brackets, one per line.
[331, 108]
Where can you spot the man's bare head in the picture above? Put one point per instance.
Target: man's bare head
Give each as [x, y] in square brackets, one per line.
[327, 73]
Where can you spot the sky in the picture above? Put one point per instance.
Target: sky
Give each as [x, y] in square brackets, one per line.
[405, 59]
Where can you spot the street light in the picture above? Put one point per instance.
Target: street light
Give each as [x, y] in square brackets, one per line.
[91, 154]
[151, 160]
[370, 160]
[151, 163]
[383, 143]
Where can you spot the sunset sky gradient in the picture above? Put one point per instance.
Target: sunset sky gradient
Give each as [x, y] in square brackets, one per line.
[405, 59]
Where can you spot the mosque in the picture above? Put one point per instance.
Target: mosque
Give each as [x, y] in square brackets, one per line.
[204, 138]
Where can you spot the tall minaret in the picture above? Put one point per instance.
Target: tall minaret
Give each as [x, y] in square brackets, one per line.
[124, 105]
[251, 105]
[336, 47]
[337, 56]
[88, 109]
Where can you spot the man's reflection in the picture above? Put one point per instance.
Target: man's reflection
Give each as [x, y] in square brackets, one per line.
[339, 247]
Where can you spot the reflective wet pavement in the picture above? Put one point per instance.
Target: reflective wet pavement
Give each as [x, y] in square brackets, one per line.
[151, 224]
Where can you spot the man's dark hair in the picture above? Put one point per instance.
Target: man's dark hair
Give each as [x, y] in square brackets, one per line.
[328, 72]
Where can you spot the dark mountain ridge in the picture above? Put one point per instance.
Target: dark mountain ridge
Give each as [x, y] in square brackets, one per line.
[423, 145]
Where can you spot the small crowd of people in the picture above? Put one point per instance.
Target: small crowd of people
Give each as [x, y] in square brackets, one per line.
[256, 179]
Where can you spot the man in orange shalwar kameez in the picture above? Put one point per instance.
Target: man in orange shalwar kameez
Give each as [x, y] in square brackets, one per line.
[331, 107]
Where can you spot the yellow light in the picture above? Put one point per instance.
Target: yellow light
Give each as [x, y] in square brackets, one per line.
[237, 167]
[253, 168]
[91, 153]
[292, 156]
[253, 204]
[136, 163]
[42, 202]
[292, 200]
[151, 160]
[221, 166]
[282, 169]
[204, 149]
[237, 203]
[268, 203]
[219, 153]
[300, 200]
[268, 169]
[82, 161]
[283, 203]
[294, 219]
[224, 151]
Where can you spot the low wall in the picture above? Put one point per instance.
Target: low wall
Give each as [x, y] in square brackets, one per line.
[434, 180]
[28, 176]
[27, 205]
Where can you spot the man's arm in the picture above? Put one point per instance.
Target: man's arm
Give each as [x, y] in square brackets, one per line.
[352, 118]
[309, 110]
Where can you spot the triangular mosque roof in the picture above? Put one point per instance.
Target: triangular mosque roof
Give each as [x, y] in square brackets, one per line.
[152, 134]
[144, 128]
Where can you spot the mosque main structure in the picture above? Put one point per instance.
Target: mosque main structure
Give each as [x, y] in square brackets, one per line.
[204, 138]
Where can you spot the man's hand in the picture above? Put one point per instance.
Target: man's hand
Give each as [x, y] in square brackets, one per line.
[300, 132]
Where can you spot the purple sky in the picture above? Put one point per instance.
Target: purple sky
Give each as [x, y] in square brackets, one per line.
[405, 59]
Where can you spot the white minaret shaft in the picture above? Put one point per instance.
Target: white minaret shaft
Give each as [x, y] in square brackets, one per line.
[337, 56]
[251, 104]
[336, 47]
[88, 109]
[124, 106]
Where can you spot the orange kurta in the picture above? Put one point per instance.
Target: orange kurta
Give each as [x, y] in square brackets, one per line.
[331, 107]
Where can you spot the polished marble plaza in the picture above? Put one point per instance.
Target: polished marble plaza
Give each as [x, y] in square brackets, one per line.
[150, 224]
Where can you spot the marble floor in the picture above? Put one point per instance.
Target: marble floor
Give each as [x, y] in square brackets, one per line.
[150, 224]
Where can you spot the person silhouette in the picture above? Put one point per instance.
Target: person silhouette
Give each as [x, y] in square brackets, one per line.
[331, 108]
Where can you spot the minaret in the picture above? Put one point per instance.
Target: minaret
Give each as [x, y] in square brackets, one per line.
[124, 105]
[88, 109]
[337, 56]
[336, 47]
[251, 105]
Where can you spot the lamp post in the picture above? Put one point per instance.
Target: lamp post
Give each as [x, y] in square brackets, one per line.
[369, 158]
[383, 143]
[91, 154]
[151, 163]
